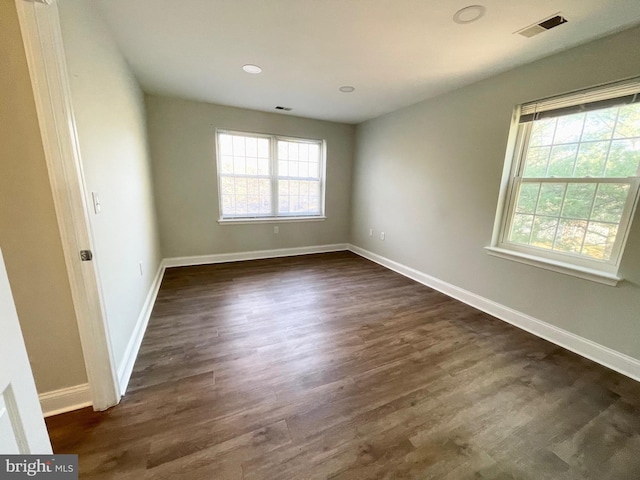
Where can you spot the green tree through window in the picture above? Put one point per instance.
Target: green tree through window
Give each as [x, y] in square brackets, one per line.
[574, 179]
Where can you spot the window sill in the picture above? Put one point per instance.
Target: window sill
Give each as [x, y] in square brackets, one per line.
[251, 221]
[556, 266]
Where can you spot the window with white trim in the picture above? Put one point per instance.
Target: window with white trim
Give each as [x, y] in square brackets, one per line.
[269, 176]
[574, 179]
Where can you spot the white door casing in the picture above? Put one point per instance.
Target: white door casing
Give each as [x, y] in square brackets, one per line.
[22, 427]
[42, 37]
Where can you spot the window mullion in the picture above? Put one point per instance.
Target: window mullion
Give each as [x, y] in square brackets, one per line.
[564, 196]
[613, 132]
[578, 180]
[575, 160]
[274, 176]
[555, 130]
[586, 230]
[535, 211]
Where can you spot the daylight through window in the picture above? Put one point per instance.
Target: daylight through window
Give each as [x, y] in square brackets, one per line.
[574, 180]
[268, 176]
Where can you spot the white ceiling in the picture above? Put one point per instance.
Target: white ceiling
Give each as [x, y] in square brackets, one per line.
[394, 52]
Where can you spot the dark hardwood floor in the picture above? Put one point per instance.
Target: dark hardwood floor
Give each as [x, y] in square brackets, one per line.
[330, 366]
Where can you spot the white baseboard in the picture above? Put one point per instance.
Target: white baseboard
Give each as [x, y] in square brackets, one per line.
[606, 356]
[133, 347]
[79, 396]
[254, 255]
[65, 400]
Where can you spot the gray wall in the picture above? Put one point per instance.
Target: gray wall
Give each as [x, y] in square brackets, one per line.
[29, 233]
[182, 140]
[109, 109]
[429, 175]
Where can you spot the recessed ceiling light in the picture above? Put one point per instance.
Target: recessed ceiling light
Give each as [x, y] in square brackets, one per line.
[347, 89]
[252, 68]
[469, 14]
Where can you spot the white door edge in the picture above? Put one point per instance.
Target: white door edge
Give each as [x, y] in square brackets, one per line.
[42, 37]
[22, 427]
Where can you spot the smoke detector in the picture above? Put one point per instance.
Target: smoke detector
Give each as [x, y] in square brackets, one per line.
[542, 26]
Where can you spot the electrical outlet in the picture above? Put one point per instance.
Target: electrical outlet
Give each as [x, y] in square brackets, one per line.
[276, 229]
[381, 235]
[371, 232]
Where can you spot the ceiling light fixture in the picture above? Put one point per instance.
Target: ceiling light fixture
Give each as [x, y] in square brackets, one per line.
[252, 68]
[469, 14]
[347, 89]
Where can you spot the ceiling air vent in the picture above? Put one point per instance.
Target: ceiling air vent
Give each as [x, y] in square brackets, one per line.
[285, 109]
[542, 26]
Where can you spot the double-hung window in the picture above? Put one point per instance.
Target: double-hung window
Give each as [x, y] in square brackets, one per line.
[263, 177]
[573, 183]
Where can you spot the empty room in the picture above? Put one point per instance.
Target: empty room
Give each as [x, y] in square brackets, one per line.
[312, 239]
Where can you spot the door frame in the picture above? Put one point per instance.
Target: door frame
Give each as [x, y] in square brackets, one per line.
[42, 38]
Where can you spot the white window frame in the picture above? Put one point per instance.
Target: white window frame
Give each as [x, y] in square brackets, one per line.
[274, 217]
[580, 266]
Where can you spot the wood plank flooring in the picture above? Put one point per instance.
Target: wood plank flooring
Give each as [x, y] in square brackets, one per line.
[330, 366]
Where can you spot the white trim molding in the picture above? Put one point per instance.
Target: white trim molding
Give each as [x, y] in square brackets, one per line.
[251, 221]
[65, 400]
[252, 255]
[133, 347]
[42, 38]
[556, 266]
[608, 357]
